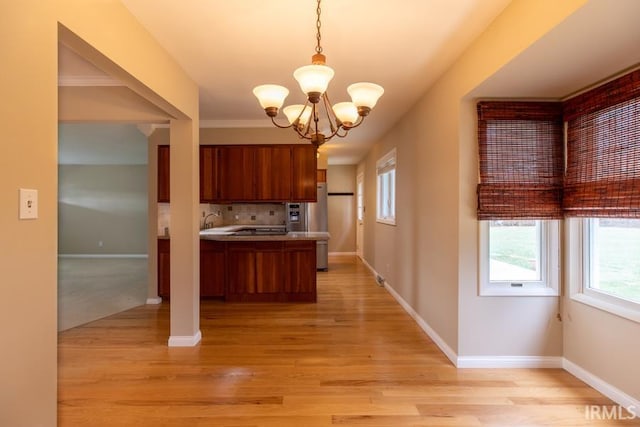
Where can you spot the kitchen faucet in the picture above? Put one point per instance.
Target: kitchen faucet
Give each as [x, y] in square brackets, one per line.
[204, 221]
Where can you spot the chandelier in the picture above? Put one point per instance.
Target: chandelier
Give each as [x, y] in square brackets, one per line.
[308, 120]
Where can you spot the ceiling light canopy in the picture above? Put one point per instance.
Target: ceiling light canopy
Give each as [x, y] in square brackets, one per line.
[314, 80]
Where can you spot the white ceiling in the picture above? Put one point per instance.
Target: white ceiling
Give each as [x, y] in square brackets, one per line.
[228, 47]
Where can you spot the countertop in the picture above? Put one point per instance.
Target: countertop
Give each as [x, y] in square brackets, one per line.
[226, 233]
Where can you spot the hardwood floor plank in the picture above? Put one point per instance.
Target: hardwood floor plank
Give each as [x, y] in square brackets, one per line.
[353, 358]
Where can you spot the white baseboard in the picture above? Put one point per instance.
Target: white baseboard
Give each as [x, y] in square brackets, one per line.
[366, 264]
[185, 340]
[442, 345]
[103, 256]
[154, 300]
[509, 362]
[342, 253]
[613, 393]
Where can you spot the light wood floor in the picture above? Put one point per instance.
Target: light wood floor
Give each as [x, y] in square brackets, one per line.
[354, 358]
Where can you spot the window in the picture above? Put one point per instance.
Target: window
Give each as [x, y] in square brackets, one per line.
[602, 187]
[519, 257]
[386, 203]
[604, 268]
[519, 197]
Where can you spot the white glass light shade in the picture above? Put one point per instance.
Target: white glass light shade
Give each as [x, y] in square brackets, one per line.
[293, 111]
[365, 94]
[271, 95]
[313, 78]
[346, 112]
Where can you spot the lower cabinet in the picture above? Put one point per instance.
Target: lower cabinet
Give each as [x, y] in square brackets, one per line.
[164, 268]
[212, 268]
[250, 271]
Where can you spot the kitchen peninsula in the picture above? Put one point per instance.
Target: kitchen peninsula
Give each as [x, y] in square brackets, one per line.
[244, 263]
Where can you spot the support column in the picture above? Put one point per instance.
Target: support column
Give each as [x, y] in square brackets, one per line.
[185, 242]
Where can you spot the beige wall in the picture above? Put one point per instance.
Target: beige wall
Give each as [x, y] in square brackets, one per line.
[342, 209]
[430, 256]
[28, 311]
[102, 209]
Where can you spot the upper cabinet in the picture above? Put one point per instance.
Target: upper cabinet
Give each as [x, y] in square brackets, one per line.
[163, 173]
[236, 170]
[209, 187]
[304, 165]
[249, 173]
[273, 173]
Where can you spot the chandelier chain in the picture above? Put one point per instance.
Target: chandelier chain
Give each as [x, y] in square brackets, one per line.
[318, 25]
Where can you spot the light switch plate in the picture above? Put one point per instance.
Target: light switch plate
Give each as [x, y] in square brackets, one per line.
[28, 203]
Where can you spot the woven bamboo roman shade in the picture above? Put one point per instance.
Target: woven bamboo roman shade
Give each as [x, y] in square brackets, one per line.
[521, 160]
[603, 150]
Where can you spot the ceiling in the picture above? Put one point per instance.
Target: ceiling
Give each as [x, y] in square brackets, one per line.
[229, 47]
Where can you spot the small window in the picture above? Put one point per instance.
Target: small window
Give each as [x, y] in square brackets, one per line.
[519, 257]
[386, 203]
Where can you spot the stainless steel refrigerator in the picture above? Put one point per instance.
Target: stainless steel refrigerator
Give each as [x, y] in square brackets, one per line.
[317, 220]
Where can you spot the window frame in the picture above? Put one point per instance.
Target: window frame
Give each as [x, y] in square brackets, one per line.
[384, 166]
[549, 285]
[579, 270]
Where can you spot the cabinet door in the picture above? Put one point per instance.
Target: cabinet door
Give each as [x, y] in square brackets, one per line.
[304, 165]
[164, 268]
[273, 173]
[269, 267]
[212, 268]
[208, 174]
[300, 267]
[237, 169]
[241, 268]
[163, 173]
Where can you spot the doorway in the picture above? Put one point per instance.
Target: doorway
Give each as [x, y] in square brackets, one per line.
[360, 215]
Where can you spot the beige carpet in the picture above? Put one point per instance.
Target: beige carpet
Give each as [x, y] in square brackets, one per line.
[93, 288]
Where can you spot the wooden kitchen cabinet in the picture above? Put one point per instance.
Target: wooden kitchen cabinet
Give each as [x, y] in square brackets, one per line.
[249, 173]
[269, 267]
[237, 168]
[250, 271]
[241, 270]
[212, 268]
[164, 268]
[273, 173]
[163, 174]
[304, 165]
[300, 268]
[209, 178]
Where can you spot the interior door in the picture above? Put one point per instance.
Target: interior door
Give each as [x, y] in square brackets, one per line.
[360, 215]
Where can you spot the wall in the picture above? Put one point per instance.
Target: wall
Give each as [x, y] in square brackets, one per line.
[102, 189]
[342, 208]
[28, 254]
[430, 257]
[102, 209]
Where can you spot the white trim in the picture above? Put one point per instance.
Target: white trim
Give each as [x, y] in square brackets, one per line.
[600, 385]
[442, 345]
[103, 256]
[371, 269]
[185, 340]
[342, 253]
[509, 362]
[154, 300]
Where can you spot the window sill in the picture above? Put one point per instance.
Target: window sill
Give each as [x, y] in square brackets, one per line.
[609, 307]
[386, 221]
[507, 291]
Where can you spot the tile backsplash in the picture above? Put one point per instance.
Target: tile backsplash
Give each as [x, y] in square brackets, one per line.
[237, 213]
